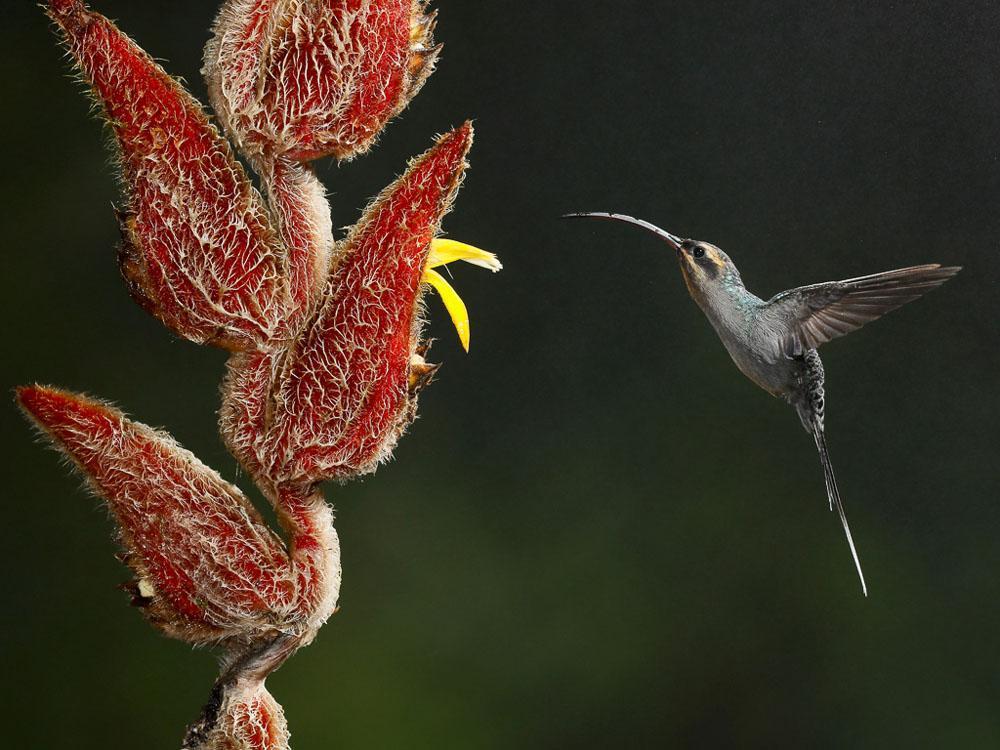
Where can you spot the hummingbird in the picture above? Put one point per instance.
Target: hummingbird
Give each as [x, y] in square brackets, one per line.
[773, 342]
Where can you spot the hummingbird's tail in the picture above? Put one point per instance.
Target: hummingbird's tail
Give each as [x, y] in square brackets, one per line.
[833, 492]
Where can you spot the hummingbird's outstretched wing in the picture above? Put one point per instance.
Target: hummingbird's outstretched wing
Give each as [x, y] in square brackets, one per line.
[809, 316]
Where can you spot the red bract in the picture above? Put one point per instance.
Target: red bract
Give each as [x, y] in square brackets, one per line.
[198, 251]
[345, 396]
[248, 718]
[301, 216]
[334, 403]
[327, 357]
[310, 79]
[208, 569]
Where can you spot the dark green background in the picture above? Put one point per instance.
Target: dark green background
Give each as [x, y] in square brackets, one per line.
[598, 534]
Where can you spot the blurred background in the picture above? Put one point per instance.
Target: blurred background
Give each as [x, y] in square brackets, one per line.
[598, 534]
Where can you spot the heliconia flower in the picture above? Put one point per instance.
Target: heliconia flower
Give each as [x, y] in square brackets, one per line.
[346, 395]
[207, 567]
[326, 338]
[270, 442]
[199, 251]
[310, 79]
[247, 718]
[447, 251]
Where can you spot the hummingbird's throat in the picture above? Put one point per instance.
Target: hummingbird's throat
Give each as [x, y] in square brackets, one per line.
[686, 272]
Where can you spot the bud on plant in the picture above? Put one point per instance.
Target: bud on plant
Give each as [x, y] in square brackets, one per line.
[363, 62]
[249, 720]
[207, 568]
[199, 251]
[345, 396]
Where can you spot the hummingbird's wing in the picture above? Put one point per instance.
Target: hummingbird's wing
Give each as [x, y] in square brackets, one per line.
[808, 316]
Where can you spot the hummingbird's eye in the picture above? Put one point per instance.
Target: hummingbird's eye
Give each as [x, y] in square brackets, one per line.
[698, 252]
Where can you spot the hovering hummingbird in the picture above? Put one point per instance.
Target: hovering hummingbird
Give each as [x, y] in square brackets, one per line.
[774, 342]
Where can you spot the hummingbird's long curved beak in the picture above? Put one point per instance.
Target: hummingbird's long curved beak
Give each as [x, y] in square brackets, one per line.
[672, 240]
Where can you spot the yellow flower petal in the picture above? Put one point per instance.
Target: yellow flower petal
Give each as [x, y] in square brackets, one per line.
[446, 251]
[456, 308]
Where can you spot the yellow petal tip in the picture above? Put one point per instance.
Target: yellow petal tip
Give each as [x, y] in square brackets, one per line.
[453, 303]
[447, 251]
